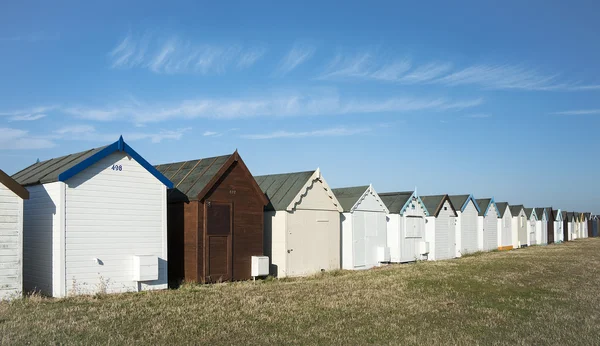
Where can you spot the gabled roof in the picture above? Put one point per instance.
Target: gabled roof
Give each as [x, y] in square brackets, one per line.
[540, 212]
[587, 215]
[462, 201]
[284, 191]
[194, 179]
[485, 204]
[529, 212]
[515, 209]
[65, 167]
[435, 204]
[557, 214]
[397, 202]
[13, 186]
[502, 206]
[570, 216]
[350, 197]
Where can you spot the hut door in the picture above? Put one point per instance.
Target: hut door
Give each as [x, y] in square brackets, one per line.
[218, 241]
[359, 241]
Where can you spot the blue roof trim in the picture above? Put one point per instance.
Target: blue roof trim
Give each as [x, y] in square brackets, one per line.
[119, 145]
[492, 201]
[471, 198]
[410, 200]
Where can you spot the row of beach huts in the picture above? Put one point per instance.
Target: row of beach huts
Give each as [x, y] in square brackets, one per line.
[105, 220]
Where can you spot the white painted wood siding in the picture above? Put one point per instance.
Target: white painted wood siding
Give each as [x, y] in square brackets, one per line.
[468, 230]
[375, 235]
[532, 231]
[275, 241]
[523, 235]
[111, 216]
[507, 229]
[347, 241]
[490, 230]
[11, 244]
[43, 221]
[403, 247]
[445, 243]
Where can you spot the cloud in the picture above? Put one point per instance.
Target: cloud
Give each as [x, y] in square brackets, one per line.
[209, 133]
[299, 54]
[29, 114]
[478, 116]
[89, 133]
[296, 104]
[15, 139]
[250, 57]
[332, 132]
[27, 117]
[366, 66]
[175, 55]
[578, 112]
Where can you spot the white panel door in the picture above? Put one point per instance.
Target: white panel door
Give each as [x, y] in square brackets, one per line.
[359, 239]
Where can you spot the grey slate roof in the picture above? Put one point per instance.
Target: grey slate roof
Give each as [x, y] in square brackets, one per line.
[502, 207]
[348, 196]
[570, 216]
[515, 209]
[281, 189]
[458, 201]
[395, 201]
[564, 215]
[191, 177]
[587, 215]
[483, 204]
[48, 171]
[540, 212]
[432, 202]
[528, 212]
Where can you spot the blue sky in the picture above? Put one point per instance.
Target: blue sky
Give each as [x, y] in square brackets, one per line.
[497, 99]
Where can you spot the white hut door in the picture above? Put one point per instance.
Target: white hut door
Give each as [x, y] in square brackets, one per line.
[359, 239]
[532, 239]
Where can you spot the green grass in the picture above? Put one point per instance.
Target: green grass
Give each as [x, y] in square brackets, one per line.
[538, 295]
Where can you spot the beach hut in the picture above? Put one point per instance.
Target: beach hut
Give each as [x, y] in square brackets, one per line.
[505, 227]
[558, 226]
[364, 227]
[583, 218]
[468, 234]
[488, 223]
[519, 226]
[545, 227]
[215, 219]
[595, 219]
[96, 221]
[532, 229]
[302, 223]
[440, 230]
[12, 195]
[567, 225]
[589, 224]
[576, 230]
[406, 226]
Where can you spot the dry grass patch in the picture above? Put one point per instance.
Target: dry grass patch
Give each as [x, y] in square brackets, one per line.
[539, 295]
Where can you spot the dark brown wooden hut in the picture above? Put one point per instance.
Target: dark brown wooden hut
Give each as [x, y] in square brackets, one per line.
[215, 219]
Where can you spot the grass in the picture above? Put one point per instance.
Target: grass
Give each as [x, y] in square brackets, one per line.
[538, 295]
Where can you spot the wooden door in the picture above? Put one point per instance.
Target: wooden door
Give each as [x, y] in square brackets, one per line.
[218, 241]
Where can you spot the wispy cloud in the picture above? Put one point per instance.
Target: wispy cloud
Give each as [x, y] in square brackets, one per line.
[478, 116]
[29, 114]
[89, 133]
[209, 133]
[579, 112]
[272, 105]
[27, 117]
[332, 132]
[250, 57]
[299, 54]
[367, 66]
[16, 139]
[175, 55]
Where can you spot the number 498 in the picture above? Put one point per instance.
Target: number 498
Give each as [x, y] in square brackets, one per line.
[117, 168]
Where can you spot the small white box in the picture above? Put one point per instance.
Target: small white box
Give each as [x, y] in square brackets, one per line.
[383, 254]
[145, 268]
[424, 248]
[260, 266]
